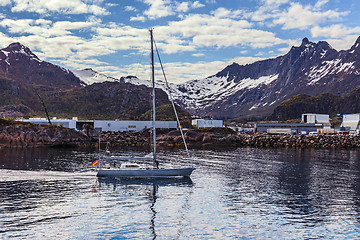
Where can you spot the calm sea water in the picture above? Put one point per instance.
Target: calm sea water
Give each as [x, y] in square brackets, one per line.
[243, 193]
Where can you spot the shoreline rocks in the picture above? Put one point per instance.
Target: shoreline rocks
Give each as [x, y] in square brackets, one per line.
[195, 139]
[199, 139]
[29, 135]
[127, 139]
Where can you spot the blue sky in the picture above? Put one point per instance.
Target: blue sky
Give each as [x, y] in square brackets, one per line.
[196, 38]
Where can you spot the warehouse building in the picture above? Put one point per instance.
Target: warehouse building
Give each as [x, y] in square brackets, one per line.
[287, 128]
[315, 118]
[311, 123]
[116, 125]
[351, 122]
[103, 125]
[207, 123]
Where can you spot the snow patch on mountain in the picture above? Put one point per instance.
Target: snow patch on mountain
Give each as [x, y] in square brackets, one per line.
[335, 66]
[6, 53]
[89, 76]
[137, 81]
[202, 93]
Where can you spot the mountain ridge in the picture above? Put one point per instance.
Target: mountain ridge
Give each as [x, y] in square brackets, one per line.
[238, 91]
[24, 79]
[257, 88]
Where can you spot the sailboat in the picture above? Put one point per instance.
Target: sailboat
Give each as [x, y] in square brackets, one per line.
[133, 170]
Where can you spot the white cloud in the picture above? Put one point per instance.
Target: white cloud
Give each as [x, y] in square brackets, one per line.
[111, 4]
[343, 43]
[204, 30]
[164, 8]
[339, 36]
[42, 27]
[334, 31]
[275, 2]
[198, 54]
[138, 18]
[226, 13]
[197, 4]
[183, 7]
[62, 6]
[321, 3]
[5, 2]
[269, 10]
[158, 9]
[298, 16]
[186, 6]
[130, 9]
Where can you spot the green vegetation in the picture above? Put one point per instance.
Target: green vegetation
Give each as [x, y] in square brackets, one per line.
[8, 122]
[325, 103]
[109, 100]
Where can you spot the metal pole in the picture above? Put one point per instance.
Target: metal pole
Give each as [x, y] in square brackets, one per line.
[153, 97]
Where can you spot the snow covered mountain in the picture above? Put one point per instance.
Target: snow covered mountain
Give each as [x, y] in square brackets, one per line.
[254, 90]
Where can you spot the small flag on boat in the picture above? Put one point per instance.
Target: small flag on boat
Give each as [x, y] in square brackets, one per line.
[94, 162]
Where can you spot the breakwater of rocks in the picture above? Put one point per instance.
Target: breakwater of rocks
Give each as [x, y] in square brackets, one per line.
[28, 135]
[299, 141]
[126, 139]
[223, 139]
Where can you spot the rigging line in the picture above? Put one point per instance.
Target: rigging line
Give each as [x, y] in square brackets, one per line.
[141, 57]
[171, 99]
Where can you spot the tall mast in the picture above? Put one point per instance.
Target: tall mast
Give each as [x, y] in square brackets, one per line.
[153, 95]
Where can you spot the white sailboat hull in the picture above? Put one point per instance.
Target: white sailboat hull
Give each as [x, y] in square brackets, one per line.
[145, 173]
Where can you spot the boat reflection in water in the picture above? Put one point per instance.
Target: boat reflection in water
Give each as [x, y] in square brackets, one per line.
[148, 187]
[184, 181]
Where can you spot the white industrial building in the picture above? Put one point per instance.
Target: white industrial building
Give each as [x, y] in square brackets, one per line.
[315, 118]
[103, 125]
[351, 122]
[206, 123]
[116, 125]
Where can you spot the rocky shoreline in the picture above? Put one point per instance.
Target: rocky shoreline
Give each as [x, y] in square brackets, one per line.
[268, 141]
[195, 139]
[29, 135]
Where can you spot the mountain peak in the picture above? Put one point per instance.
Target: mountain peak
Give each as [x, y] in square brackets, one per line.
[15, 46]
[19, 48]
[305, 42]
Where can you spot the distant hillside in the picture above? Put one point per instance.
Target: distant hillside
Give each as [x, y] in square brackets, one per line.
[18, 63]
[325, 103]
[108, 100]
[23, 76]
